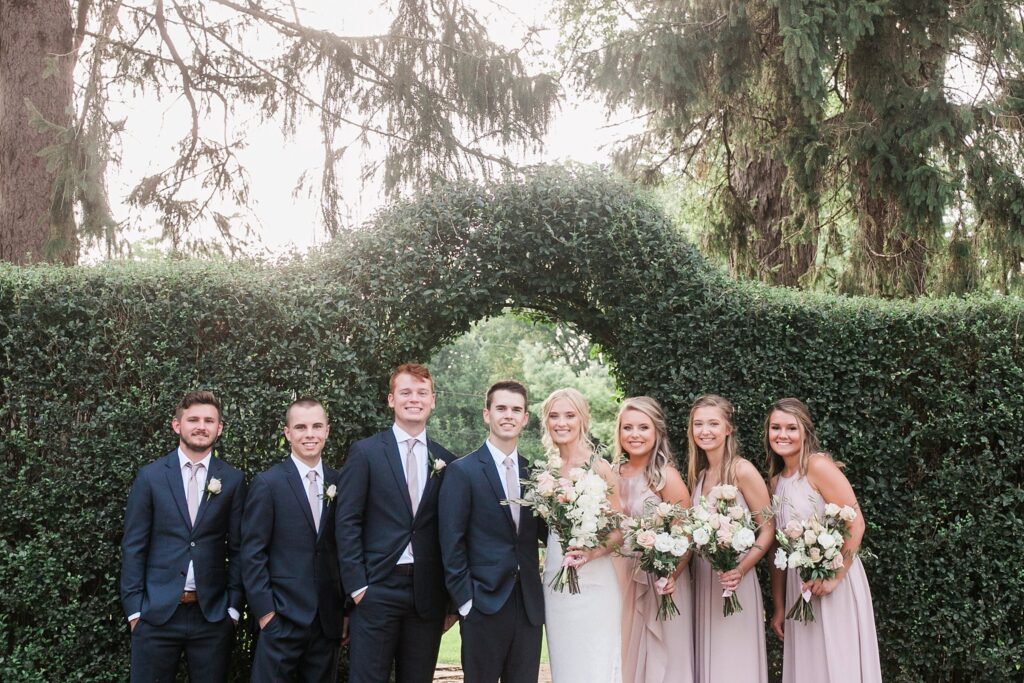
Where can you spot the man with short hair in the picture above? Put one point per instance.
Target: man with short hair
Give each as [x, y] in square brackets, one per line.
[289, 559]
[387, 539]
[490, 549]
[181, 585]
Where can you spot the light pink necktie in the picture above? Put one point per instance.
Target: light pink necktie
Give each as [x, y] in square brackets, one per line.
[315, 504]
[512, 486]
[412, 475]
[192, 494]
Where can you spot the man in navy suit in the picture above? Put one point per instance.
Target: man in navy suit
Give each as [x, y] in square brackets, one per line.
[181, 585]
[289, 559]
[387, 540]
[490, 549]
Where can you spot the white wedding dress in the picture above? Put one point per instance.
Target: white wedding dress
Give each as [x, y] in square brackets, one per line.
[583, 630]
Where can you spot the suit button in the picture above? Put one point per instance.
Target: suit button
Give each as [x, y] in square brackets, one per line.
[193, 544]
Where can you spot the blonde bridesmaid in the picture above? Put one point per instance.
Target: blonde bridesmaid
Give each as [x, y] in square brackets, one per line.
[727, 649]
[652, 651]
[840, 645]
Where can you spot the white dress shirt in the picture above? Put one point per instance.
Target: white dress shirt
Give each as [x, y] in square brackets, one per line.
[186, 474]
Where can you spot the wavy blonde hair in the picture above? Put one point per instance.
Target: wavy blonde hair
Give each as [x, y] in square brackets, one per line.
[811, 445]
[582, 408]
[698, 458]
[661, 456]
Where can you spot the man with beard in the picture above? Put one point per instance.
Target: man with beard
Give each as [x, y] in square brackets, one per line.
[181, 586]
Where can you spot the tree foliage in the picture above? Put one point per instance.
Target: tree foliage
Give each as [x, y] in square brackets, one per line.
[431, 97]
[887, 130]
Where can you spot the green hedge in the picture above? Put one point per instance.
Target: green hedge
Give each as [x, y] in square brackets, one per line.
[924, 402]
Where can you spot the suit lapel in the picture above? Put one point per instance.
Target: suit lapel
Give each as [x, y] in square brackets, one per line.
[204, 497]
[491, 473]
[177, 486]
[394, 459]
[291, 474]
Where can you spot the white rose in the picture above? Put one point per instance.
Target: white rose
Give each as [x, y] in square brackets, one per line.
[665, 509]
[576, 473]
[213, 486]
[701, 513]
[780, 559]
[847, 514]
[810, 538]
[826, 541]
[742, 540]
[796, 560]
[331, 491]
[701, 536]
[724, 492]
[831, 509]
[589, 526]
[736, 512]
[439, 464]
[663, 543]
[679, 546]
[830, 553]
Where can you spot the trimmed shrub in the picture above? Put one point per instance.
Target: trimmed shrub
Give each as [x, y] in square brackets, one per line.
[923, 401]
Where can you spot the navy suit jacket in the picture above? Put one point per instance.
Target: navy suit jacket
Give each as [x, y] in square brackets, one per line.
[159, 541]
[288, 566]
[375, 521]
[481, 548]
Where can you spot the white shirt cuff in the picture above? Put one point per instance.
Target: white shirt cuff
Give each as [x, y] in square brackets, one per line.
[233, 613]
[355, 594]
[466, 607]
[134, 616]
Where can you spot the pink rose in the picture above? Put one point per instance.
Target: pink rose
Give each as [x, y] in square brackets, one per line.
[645, 539]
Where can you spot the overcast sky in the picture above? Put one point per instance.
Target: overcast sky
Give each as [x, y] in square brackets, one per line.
[580, 132]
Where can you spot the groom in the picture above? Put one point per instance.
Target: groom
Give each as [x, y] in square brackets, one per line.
[181, 587]
[387, 539]
[490, 549]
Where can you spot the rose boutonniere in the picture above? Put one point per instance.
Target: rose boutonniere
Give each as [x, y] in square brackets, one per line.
[436, 465]
[330, 492]
[213, 487]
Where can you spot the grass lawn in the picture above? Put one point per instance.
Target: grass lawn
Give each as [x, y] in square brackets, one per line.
[451, 646]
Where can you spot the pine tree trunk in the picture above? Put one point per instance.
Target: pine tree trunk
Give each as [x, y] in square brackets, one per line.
[768, 253]
[31, 33]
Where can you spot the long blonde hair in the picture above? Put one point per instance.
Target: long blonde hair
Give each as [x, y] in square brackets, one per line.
[698, 458]
[661, 455]
[811, 445]
[582, 408]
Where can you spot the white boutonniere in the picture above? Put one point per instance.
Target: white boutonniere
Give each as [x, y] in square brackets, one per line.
[436, 465]
[330, 492]
[213, 487]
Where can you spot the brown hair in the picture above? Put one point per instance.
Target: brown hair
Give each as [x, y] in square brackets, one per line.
[698, 458]
[414, 369]
[196, 398]
[811, 445]
[512, 385]
[302, 402]
[661, 455]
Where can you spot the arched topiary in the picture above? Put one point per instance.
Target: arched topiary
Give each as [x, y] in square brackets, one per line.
[924, 402]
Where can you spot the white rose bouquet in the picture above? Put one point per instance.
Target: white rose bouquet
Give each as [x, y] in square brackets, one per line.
[658, 541]
[814, 548]
[575, 506]
[721, 533]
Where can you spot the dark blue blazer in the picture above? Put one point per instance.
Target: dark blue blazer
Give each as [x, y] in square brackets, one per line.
[482, 550]
[159, 540]
[287, 566]
[375, 521]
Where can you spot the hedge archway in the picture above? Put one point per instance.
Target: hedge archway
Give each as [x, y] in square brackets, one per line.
[924, 402]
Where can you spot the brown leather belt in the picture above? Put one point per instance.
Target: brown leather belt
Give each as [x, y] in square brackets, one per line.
[404, 569]
[189, 598]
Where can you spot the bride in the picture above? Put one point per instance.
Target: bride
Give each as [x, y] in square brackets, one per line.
[583, 630]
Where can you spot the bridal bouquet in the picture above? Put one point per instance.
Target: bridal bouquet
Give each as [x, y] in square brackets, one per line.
[721, 533]
[575, 506]
[658, 541]
[814, 548]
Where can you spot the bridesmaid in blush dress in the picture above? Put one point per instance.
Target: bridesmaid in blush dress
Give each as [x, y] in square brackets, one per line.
[727, 649]
[652, 651]
[840, 645]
